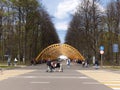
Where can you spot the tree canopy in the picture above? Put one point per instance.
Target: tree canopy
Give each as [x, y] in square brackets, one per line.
[26, 28]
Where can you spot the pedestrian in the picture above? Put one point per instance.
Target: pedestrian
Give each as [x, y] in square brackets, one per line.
[33, 62]
[49, 66]
[93, 60]
[96, 64]
[23, 60]
[61, 67]
[68, 63]
[83, 63]
[9, 61]
[87, 62]
[15, 62]
[1, 71]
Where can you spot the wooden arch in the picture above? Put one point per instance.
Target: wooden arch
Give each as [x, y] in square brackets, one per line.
[55, 50]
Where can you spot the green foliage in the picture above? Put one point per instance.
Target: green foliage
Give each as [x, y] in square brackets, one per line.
[26, 31]
[90, 28]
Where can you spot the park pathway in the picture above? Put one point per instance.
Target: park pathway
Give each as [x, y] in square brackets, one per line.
[74, 78]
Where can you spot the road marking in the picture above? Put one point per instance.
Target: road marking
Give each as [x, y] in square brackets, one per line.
[91, 83]
[29, 76]
[39, 82]
[56, 77]
[13, 73]
[113, 84]
[109, 79]
[83, 77]
[116, 88]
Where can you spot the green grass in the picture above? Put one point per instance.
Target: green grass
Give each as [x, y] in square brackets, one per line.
[115, 67]
[112, 67]
[7, 67]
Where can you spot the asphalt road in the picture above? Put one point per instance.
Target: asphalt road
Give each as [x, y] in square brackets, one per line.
[39, 79]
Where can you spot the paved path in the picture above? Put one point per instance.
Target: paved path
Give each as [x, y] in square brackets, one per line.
[107, 78]
[11, 73]
[73, 78]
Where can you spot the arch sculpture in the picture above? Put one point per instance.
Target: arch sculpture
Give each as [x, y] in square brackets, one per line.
[55, 50]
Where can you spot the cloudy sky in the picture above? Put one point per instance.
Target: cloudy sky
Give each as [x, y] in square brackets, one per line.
[61, 10]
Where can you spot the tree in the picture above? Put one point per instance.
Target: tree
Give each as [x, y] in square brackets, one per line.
[113, 24]
[25, 29]
[86, 26]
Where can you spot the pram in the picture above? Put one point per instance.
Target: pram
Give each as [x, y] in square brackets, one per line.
[58, 67]
[55, 67]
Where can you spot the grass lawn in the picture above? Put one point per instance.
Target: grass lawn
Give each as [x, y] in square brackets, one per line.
[112, 67]
[7, 67]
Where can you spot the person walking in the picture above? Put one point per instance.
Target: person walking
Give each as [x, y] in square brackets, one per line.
[49, 66]
[68, 63]
[15, 62]
[96, 64]
[9, 61]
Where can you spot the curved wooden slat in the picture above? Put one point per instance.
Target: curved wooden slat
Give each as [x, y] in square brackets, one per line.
[55, 50]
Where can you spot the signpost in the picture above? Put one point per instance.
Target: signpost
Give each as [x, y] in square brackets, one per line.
[115, 50]
[101, 48]
[101, 52]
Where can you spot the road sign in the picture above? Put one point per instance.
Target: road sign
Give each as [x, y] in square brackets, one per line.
[101, 48]
[101, 52]
[115, 48]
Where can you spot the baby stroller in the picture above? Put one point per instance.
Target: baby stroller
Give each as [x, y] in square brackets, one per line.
[54, 66]
[57, 67]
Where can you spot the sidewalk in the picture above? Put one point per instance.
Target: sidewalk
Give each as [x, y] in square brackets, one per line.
[105, 77]
[4, 74]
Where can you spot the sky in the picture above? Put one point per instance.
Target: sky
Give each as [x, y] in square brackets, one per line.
[61, 11]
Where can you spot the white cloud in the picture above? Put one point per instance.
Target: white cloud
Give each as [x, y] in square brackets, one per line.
[61, 25]
[102, 9]
[65, 7]
[63, 11]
